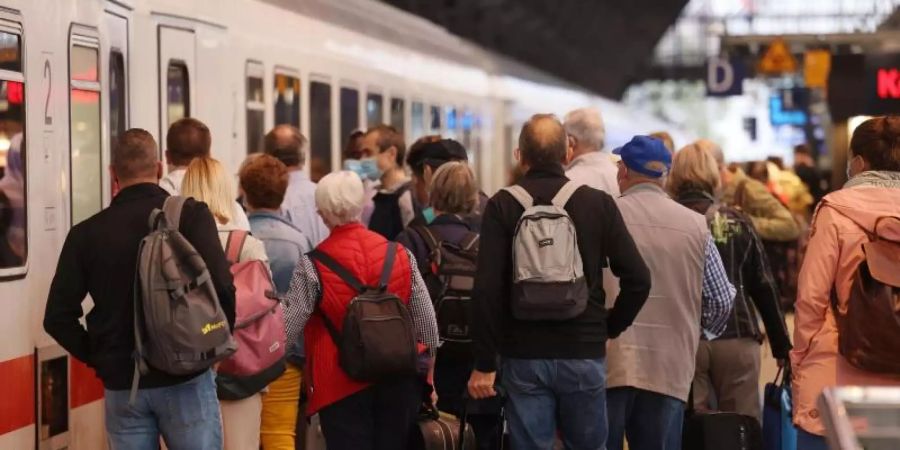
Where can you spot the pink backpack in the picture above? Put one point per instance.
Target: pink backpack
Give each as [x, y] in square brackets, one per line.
[258, 329]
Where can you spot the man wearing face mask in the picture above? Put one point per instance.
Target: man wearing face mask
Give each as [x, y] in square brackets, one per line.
[426, 155]
[393, 209]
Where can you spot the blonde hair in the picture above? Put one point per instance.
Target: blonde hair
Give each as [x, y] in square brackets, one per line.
[693, 168]
[207, 181]
[453, 189]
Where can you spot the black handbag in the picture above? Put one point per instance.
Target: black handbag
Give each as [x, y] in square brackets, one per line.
[719, 430]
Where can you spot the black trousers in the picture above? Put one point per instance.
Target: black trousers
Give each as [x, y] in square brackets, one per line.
[379, 417]
[451, 377]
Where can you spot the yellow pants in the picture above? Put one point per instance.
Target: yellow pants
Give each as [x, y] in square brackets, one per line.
[280, 406]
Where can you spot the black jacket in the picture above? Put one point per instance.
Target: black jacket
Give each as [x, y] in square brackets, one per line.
[602, 237]
[748, 270]
[99, 258]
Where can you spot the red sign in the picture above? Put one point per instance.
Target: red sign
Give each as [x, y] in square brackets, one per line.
[888, 83]
[15, 92]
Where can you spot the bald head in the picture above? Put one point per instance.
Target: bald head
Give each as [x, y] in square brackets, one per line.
[286, 143]
[134, 157]
[543, 141]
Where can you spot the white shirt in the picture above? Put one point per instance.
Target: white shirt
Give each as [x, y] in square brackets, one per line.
[299, 207]
[171, 183]
[597, 170]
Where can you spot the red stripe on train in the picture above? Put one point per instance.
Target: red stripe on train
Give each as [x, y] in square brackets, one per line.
[86, 387]
[17, 392]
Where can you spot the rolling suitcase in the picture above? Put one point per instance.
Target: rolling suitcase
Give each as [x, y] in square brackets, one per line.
[719, 430]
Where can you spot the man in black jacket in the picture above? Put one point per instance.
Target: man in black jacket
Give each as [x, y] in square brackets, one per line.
[99, 258]
[552, 371]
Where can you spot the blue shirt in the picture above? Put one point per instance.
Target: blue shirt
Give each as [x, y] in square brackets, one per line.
[285, 244]
[299, 207]
[718, 293]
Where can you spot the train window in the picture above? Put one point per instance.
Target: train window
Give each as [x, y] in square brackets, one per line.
[319, 129]
[287, 100]
[10, 52]
[417, 116]
[178, 89]
[452, 122]
[398, 111]
[374, 109]
[86, 166]
[436, 120]
[256, 108]
[349, 113]
[118, 96]
[13, 207]
[467, 122]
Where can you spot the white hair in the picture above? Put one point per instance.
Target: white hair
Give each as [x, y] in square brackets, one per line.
[340, 198]
[586, 125]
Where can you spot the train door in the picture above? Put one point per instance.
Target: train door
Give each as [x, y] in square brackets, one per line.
[177, 76]
[115, 63]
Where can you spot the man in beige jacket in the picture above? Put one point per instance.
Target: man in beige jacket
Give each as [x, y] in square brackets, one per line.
[772, 220]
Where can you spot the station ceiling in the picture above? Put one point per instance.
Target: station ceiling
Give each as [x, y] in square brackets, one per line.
[598, 44]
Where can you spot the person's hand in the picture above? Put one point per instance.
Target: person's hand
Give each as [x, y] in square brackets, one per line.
[481, 384]
[434, 398]
[781, 362]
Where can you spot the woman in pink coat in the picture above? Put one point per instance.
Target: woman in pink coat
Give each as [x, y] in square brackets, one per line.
[835, 250]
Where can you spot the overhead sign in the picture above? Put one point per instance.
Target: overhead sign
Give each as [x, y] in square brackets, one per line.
[724, 77]
[882, 83]
[777, 59]
[816, 67]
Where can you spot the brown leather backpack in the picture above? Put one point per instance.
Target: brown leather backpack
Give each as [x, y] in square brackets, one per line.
[869, 332]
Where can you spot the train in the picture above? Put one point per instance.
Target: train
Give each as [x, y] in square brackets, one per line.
[74, 74]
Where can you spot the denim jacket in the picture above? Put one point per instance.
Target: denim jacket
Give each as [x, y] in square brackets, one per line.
[284, 243]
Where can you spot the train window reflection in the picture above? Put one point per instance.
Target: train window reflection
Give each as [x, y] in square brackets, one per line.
[374, 110]
[13, 208]
[417, 120]
[256, 112]
[319, 129]
[349, 113]
[178, 92]
[398, 111]
[85, 169]
[118, 97]
[10, 52]
[287, 100]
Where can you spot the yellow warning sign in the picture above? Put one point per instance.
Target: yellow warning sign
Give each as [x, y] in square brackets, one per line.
[816, 67]
[777, 59]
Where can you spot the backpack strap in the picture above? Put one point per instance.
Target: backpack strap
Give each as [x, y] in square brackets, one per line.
[565, 193]
[470, 241]
[388, 265]
[521, 195]
[235, 245]
[337, 268]
[431, 241]
[172, 211]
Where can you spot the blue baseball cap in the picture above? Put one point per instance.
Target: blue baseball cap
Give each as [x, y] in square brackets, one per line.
[646, 155]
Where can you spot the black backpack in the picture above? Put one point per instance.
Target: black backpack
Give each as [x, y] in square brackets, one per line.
[378, 341]
[450, 277]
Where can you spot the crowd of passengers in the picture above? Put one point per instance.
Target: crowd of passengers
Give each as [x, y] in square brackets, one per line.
[669, 248]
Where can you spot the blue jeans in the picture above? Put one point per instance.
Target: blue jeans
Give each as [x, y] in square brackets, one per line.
[186, 415]
[809, 441]
[544, 395]
[649, 421]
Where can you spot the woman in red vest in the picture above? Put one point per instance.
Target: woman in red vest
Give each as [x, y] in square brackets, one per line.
[355, 415]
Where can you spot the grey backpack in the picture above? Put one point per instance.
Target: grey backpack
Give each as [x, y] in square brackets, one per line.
[179, 325]
[548, 277]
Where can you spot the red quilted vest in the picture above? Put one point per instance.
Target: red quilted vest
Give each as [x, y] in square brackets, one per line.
[362, 252]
